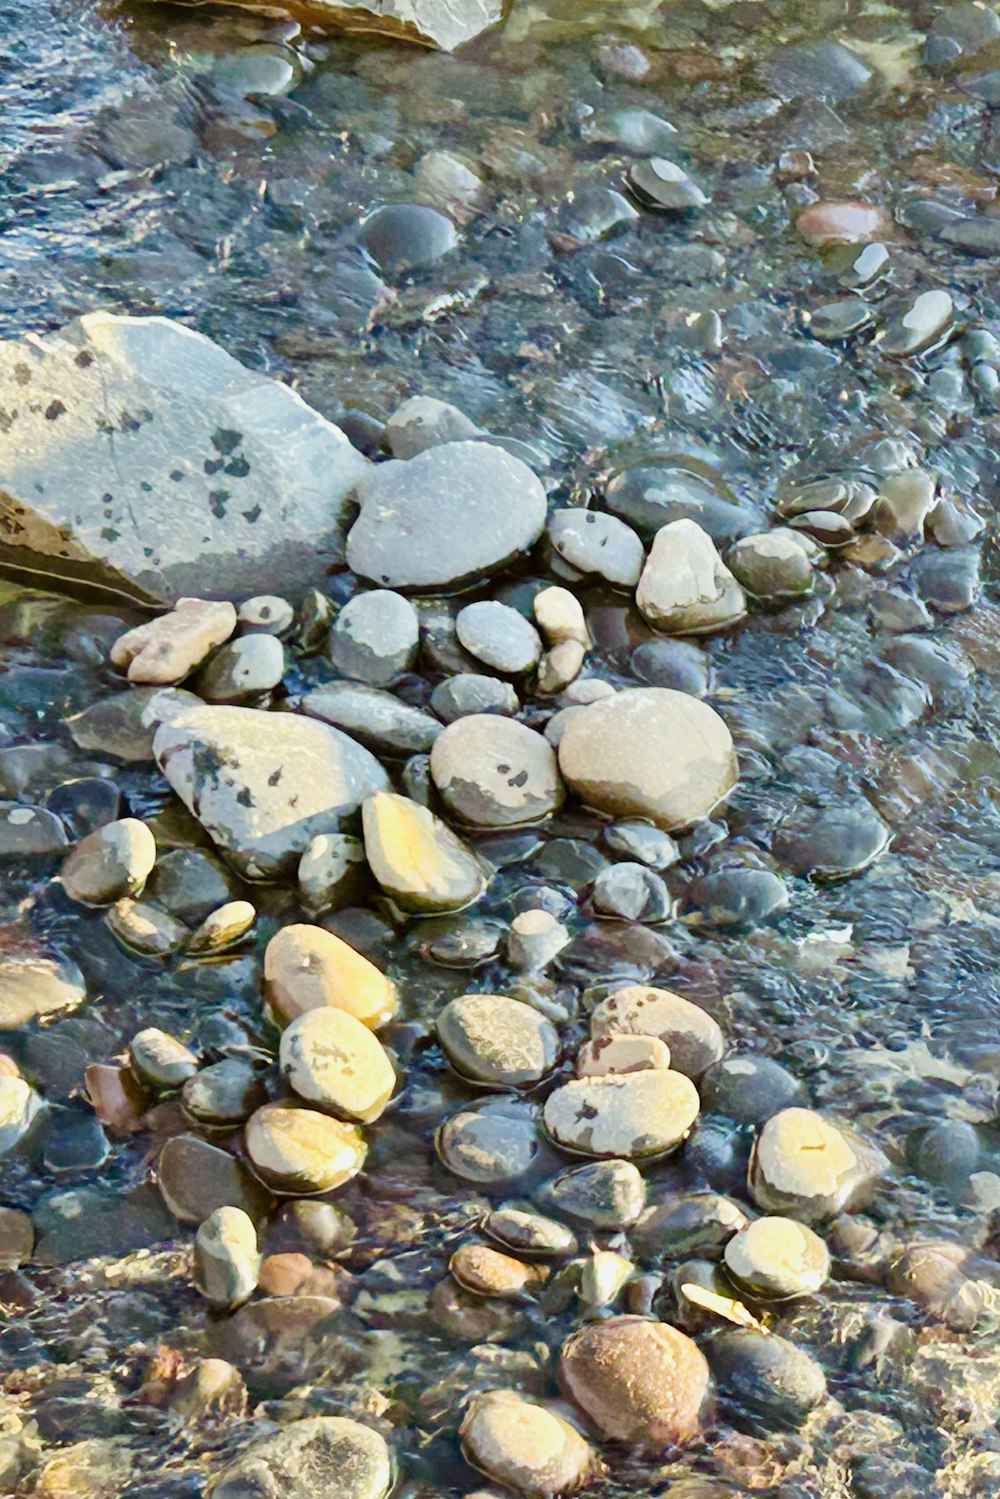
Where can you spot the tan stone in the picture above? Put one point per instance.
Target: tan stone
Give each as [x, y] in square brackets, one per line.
[639, 1381]
[167, 649]
[306, 966]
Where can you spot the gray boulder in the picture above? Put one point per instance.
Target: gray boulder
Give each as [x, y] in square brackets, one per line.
[264, 784]
[138, 457]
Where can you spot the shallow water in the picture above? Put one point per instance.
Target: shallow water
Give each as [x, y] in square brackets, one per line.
[136, 177]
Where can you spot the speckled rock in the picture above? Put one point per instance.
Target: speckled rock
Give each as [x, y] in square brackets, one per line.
[452, 514]
[492, 1145]
[611, 1054]
[649, 752]
[602, 1194]
[170, 647]
[494, 773]
[471, 692]
[218, 472]
[522, 1445]
[693, 1036]
[112, 862]
[593, 542]
[264, 784]
[630, 1115]
[810, 1166]
[319, 1457]
[243, 671]
[686, 588]
[416, 858]
[777, 1258]
[333, 1061]
[226, 1260]
[331, 872]
[306, 967]
[639, 1381]
[376, 719]
[296, 1151]
[769, 1378]
[492, 1039]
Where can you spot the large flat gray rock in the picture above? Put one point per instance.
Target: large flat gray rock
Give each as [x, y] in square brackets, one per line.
[264, 784]
[138, 457]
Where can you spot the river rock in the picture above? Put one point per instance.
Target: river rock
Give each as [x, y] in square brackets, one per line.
[224, 1093]
[560, 617]
[694, 1038]
[20, 1106]
[318, 1457]
[379, 720]
[767, 1376]
[333, 1061]
[810, 1166]
[160, 1060]
[685, 587]
[602, 1194]
[331, 872]
[34, 983]
[17, 1238]
[416, 858]
[226, 1260]
[223, 927]
[492, 1039]
[375, 637]
[499, 637]
[612, 1054]
[493, 1145]
[469, 693]
[748, 1088]
[777, 1259]
[629, 1115]
[772, 564]
[524, 1446]
[493, 772]
[208, 479]
[639, 1381]
[168, 648]
[452, 514]
[306, 967]
[110, 863]
[243, 671]
[649, 752]
[528, 1232]
[196, 1178]
[424, 422]
[264, 784]
[297, 1151]
[593, 542]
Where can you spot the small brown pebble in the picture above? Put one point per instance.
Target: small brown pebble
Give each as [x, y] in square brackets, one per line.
[295, 1275]
[487, 1272]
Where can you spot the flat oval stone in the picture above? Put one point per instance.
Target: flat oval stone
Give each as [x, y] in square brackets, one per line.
[493, 1039]
[226, 1259]
[297, 1151]
[223, 927]
[748, 1088]
[593, 542]
[332, 1060]
[639, 1381]
[264, 784]
[777, 1258]
[693, 1036]
[195, 1178]
[33, 984]
[831, 843]
[631, 1115]
[30, 833]
[110, 863]
[454, 513]
[804, 1163]
[493, 1145]
[918, 325]
[518, 1443]
[769, 1377]
[659, 183]
[306, 967]
[242, 670]
[401, 236]
[469, 693]
[613, 1054]
[416, 858]
[602, 1194]
[225, 1093]
[493, 772]
[649, 752]
[319, 1457]
[498, 636]
[487, 1272]
[832, 222]
[376, 719]
[772, 565]
[160, 1060]
[529, 1232]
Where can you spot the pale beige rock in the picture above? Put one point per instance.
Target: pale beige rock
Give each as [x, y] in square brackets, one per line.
[904, 502]
[810, 1166]
[639, 1381]
[559, 615]
[694, 1037]
[167, 649]
[560, 666]
[223, 927]
[685, 587]
[778, 1257]
[628, 1116]
[416, 858]
[306, 966]
[330, 1059]
[612, 1054]
[648, 752]
[298, 1151]
[523, 1445]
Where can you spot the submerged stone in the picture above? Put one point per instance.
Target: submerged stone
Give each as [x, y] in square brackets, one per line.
[318, 1457]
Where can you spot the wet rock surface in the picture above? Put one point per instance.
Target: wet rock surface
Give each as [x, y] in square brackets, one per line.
[664, 350]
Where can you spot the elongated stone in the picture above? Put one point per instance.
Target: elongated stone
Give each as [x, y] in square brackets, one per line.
[297, 1151]
[416, 858]
[307, 966]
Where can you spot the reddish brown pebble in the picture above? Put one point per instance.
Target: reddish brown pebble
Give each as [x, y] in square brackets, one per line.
[639, 1381]
[835, 222]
